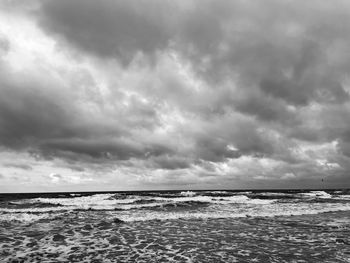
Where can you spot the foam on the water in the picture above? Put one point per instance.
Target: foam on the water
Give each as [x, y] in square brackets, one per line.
[25, 217]
[343, 197]
[188, 204]
[208, 226]
[270, 211]
[318, 194]
[93, 238]
[188, 193]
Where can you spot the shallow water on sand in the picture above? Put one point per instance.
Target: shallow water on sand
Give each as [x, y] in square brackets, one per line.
[92, 235]
[308, 238]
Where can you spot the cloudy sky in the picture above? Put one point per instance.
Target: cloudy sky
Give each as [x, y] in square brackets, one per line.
[164, 94]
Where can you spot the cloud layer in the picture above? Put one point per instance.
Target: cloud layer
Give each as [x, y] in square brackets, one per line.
[174, 94]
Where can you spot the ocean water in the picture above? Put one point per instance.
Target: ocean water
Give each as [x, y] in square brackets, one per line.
[176, 226]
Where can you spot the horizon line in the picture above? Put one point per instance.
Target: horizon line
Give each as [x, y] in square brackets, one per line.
[181, 190]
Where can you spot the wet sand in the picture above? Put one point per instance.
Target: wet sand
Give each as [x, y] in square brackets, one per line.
[84, 237]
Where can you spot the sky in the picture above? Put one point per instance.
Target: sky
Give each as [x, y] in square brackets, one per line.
[164, 94]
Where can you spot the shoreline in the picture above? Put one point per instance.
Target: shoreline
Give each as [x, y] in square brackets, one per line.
[322, 237]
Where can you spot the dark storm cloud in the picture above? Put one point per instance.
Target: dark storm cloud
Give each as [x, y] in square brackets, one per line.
[279, 48]
[188, 84]
[305, 134]
[28, 113]
[45, 121]
[215, 149]
[32, 118]
[264, 108]
[107, 27]
[31, 113]
[121, 29]
[171, 162]
[4, 45]
[108, 148]
[304, 87]
[231, 138]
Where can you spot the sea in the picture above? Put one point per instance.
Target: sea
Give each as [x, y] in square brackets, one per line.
[176, 226]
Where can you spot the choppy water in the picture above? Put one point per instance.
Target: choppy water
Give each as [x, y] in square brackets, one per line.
[189, 226]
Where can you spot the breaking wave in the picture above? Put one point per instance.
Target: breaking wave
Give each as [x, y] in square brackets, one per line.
[168, 205]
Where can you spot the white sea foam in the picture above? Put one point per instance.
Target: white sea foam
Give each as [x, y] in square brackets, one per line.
[98, 201]
[108, 202]
[75, 194]
[271, 211]
[138, 207]
[217, 192]
[188, 193]
[278, 194]
[185, 199]
[342, 197]
[242, 199]
[160, 201]
[132, 212]
[217, 200]
[317, 194]
[36, 210]
[25, 217]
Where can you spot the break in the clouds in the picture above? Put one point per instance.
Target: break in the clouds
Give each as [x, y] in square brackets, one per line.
[114, 95]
